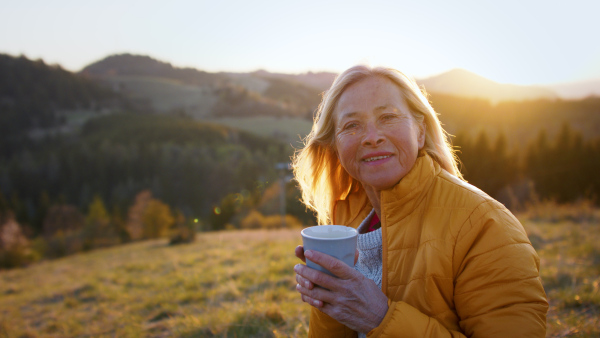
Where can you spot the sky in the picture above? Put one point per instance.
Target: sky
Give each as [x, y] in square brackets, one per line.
[520, 42]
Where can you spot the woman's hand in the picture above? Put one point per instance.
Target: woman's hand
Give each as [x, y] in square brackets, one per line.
[300, 254]
[351, 298]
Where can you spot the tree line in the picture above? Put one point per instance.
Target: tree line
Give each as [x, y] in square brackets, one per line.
[562, 169]
[90, 182]
[190, 165]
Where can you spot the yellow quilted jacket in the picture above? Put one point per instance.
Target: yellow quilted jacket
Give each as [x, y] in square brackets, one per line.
[455, 262]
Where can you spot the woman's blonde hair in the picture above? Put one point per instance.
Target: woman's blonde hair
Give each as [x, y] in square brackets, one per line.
[317, 169]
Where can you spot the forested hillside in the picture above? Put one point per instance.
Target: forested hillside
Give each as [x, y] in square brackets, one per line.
[189, 165]
[34, 95]
[519, 120]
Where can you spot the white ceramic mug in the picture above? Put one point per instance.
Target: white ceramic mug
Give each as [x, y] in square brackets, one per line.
[335, 240]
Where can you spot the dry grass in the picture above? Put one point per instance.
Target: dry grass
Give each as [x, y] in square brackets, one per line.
[567, 239]
[225, 284]
[240, 283]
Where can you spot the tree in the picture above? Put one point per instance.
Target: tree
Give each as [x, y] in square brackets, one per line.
[97, 213]
[157, 219]
[14, 247]
[135, 226]
[97, 232]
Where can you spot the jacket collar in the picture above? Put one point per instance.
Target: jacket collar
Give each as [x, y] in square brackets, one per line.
[396, 202]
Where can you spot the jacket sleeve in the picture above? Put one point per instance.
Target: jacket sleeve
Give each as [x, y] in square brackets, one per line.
[404, 320]
[322, 325]
[498, 292]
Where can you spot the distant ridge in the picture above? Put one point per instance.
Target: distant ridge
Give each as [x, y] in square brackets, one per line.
[463, 83]
[142, 65]
[318, 80]
[160, 87]
[577, 90]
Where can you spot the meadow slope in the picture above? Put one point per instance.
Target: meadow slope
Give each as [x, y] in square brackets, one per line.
[241, 284]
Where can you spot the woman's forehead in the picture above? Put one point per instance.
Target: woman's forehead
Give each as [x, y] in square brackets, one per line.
[372, 95]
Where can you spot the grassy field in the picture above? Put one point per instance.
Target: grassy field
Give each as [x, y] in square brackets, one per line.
[567, 240]
[240, 283]
[225, 284]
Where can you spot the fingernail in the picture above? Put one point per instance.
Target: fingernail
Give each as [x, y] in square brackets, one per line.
[308, 253]
[298, 287]
[315, 302]
[306, 284]
[296, 267]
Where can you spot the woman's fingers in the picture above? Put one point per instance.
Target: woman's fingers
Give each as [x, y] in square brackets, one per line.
[333, 265]
[300, 253]
[304, 282]
[315, 297]
[313, 302]
[316, 277]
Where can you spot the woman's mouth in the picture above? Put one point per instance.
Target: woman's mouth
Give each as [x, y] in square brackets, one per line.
[375, 158]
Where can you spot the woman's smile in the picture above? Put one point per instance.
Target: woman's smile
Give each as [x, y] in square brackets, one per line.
[376, 159]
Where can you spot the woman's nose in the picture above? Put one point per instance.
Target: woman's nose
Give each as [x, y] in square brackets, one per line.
[373, 136]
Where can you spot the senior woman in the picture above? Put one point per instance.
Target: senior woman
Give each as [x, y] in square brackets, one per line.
[437, 256]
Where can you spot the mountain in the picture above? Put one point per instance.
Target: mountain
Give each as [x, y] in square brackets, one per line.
[460, 82]
[162, 88]
[142, 65]
[577, 90]
[320, 80]
[282, 105]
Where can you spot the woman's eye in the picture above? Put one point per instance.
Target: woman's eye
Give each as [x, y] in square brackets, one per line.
[388, 117]
[350, 125]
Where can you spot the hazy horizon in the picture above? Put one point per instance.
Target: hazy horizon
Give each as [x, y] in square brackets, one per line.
[517, 42]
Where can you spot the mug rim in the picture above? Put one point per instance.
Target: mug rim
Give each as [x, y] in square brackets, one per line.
[352, 233]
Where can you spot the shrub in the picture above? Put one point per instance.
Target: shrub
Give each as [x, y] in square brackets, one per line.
[64, 218]
[551, 211]
[14, 247]
[184, 232]
[63, 243]
[255, 220]
[275, 222]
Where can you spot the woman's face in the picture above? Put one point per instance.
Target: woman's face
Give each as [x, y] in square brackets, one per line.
[376, 137]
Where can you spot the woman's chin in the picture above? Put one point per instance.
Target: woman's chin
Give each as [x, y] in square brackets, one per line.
[380, 184]
[381, 180]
